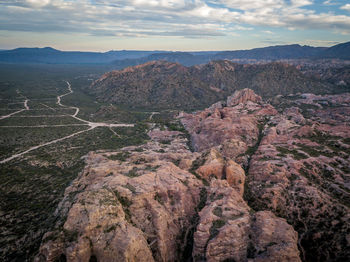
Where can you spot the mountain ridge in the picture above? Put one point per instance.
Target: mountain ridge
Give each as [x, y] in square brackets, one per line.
[124, 58]
[168, 85]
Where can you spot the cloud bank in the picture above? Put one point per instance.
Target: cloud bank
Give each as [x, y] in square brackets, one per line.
[185, 18]
[172, 18]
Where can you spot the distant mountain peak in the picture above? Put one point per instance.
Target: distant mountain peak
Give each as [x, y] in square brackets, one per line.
[49, 48]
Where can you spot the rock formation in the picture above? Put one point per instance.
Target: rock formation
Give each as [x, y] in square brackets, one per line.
[297, 162]
[167, 85]
[230, 231]
[262, 185]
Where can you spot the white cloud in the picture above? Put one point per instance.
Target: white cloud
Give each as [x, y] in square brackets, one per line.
[328, 2]
[251, 4]
[346, 7]
[320, 42]
[299, 3]
[161, 3]
[243, 28]
[37, 3]
[178, 18]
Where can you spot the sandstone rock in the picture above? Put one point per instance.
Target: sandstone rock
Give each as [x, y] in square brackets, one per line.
[213, 166]
[242, 96]
[294, 114]
[146, 204]
[233, 129]
[217, 105]
[298, 173]
[232, 148]
[235, 176]
[134, 209]
[227, 231]
[273, 239]
[222, 232]
[216, 166]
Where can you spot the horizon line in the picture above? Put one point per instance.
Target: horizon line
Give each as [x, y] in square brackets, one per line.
[158, 50]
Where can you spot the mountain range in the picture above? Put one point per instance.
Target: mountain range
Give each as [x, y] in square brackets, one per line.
[168, 85]
[50, 55]
[124, 58]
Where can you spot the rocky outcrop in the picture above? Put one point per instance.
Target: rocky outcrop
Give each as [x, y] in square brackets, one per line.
[233, 130]
[273, 239]
[298, 167]
[168, 85]
[300, 172]
[243, 96]
[261, 186]
[230, 231]
[215, 165]
[132, 208]
[140, 205]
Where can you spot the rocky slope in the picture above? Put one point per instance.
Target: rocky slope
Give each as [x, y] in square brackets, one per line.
[338, 76]
[264, 184]
[297, 162]
[161, 84]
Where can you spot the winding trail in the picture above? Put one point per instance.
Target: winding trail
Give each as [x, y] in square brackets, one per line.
[26, 104]
[26, 107]
[91, 125]
[73, 107]
[152, 114]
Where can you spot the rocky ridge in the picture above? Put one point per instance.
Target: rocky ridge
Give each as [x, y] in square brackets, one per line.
[237, 198]
[167, 85]
[296, 161]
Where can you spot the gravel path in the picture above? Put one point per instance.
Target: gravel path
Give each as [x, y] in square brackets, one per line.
[91, 125]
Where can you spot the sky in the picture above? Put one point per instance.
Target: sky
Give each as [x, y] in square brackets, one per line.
[182, 25]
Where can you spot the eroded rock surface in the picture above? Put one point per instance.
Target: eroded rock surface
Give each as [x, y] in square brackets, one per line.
[242, 96]
[233, 130]
[264, 184]
[298, 167]
[132, 208]
[300, 171]
[230, 231]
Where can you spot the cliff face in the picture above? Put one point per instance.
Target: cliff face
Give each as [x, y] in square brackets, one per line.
[258, 188]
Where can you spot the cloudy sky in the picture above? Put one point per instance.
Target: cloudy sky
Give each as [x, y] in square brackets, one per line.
[101, 25]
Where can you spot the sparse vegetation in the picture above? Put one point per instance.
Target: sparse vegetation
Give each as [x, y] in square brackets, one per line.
[217, 211]
[134, 172]
[122, 156]
[283, 152]
[130, 187]
[126, 203]
[158, 198]
[234, 217]
[70, 236]
[202, 199]
[195, 165]
[214, 229]
[110, 229]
